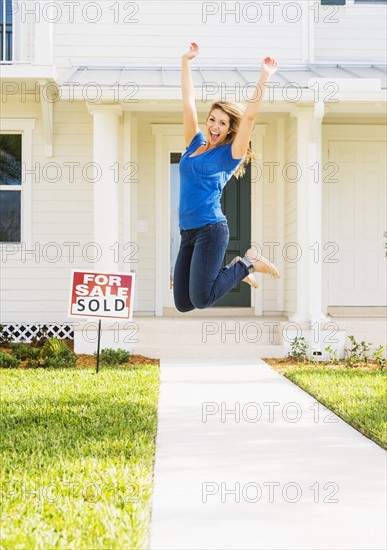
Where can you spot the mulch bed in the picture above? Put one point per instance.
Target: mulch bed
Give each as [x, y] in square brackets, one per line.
[85, 360]
[282, 365]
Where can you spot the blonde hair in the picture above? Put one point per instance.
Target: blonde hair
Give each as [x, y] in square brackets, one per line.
[235, 111]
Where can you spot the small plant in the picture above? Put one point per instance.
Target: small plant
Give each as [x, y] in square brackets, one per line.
[313, 359]
[33, 358]
[8, 362]
[333, 357]
[5, 339]
[40, 338]
[364, 350]
[52, 347]
[109, 356]
[298, 349]
[358, 352]
[379, 356]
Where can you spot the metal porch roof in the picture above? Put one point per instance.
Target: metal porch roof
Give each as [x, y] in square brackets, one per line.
[163, 81]
[169, 76]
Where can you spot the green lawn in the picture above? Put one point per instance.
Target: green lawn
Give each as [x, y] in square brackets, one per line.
[77, 452]
[357, 396]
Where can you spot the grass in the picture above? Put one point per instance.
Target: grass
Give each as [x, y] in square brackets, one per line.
[357, 395]
[77, 457]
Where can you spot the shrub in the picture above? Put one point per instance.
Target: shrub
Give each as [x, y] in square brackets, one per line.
[22, 351]
[8, 362]
[54, 353]
[109, 356]
[64, 359]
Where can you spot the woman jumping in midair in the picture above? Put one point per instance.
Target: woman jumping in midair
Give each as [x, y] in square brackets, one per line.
[205, 168]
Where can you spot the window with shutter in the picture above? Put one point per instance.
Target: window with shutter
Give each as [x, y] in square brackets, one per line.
[6, 30]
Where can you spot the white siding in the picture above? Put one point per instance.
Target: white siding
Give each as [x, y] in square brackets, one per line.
[237, 32]
[35, 285]
[62, 212]
[290, 232]
[161, 31]
[355, 32]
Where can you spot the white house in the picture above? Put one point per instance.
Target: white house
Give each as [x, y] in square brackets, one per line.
[91, 135]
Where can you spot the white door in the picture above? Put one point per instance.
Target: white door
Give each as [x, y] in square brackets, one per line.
[355, 214]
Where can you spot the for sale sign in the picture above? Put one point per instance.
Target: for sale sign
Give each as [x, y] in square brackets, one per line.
[101, 295]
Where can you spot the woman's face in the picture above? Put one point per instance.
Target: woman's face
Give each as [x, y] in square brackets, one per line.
[218, 125]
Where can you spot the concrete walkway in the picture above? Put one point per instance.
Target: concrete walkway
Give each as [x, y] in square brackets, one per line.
[247, 460]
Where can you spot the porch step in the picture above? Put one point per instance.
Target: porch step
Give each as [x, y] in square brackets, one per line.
[370, 312]
[224, 336]
[208, 337]
[227, 331]
[194, 352]
[264, 325]
[372, 330]
[197, 336]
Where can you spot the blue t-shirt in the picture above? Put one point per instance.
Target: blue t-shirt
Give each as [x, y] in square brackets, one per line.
[202, 179]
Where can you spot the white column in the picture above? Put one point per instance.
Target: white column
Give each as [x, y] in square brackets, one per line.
[302, 288]
[105, 158]
[280, 212]
[130, 190]
[309, 288]
[315, 218]
[258, 136]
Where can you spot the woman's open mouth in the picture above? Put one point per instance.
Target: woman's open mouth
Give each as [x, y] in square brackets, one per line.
[214, 136]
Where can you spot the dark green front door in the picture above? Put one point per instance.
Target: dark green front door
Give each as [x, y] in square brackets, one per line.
[237, 209]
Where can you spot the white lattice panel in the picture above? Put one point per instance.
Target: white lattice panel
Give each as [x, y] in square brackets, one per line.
[23, 332]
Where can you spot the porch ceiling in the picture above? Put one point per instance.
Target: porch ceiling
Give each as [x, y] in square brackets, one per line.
[134, 82]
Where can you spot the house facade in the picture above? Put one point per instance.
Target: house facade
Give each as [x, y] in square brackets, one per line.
[91, 136]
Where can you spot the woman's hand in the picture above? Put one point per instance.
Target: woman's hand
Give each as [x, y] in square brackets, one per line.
[193, 51]
[269, 67]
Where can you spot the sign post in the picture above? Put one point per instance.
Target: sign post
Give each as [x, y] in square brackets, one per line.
[98, 345]
[101, 295]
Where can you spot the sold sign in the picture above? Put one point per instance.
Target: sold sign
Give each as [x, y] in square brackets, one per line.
[102, 295]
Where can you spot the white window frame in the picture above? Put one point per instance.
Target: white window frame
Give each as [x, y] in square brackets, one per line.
[371, 2]
[22, 31]
[25, 127]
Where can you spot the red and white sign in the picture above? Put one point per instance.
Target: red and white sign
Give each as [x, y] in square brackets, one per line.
[101, 295]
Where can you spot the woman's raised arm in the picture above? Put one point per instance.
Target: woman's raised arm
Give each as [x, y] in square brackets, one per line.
[243, 136]
[190, 117]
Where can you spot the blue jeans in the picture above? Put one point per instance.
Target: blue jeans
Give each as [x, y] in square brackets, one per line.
[199, 281]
